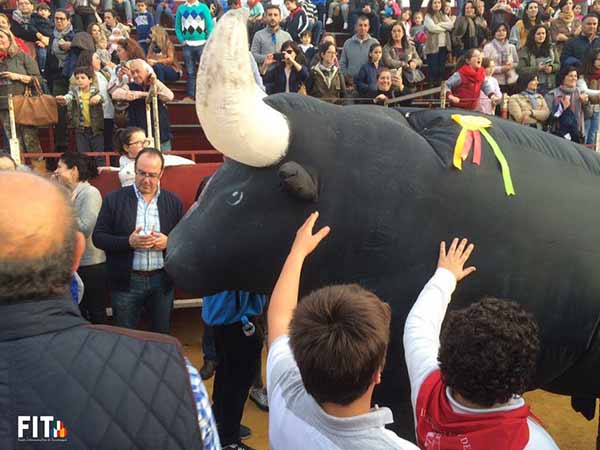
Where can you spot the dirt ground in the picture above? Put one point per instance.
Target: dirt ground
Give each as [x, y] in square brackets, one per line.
[570, 430]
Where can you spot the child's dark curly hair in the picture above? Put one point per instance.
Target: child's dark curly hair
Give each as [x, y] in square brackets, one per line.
[488, 351]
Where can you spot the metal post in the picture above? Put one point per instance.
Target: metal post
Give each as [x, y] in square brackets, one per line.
[13, 142]
[504, 109]
[597, 138]
[443, 95]
[149, 124]
[156, 116]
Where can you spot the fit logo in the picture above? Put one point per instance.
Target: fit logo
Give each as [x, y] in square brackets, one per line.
[40, 428]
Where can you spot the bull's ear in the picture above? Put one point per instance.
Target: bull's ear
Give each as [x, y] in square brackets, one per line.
[298, 182]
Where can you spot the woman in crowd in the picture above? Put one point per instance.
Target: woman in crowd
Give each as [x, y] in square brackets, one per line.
[405, 20]
[389, 86]
[539, 58]
[504, 56]
[486, 105]
[464, 33]
[468, 81]
[325, 38]
[161, 56]
[566, 104]
[589, 83]
[17, 70]
[483, 30]
[399, 52]
[438, 44]
[501, 12]
[101, 44]
[366, 80]
[74, 171]
[288, 75]
[565, 26]
[531, 17]
[22, 27]
[129, 49]
[128, 142]
[528, 106]
[326, 79]
[5, 25]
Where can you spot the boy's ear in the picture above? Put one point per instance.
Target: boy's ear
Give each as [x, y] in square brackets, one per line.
[377, 376]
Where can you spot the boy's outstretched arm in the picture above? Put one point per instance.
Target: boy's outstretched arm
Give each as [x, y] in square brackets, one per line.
[285, 294]
[423, 324]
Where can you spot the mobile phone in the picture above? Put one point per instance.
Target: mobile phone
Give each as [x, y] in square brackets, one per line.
[278, 56]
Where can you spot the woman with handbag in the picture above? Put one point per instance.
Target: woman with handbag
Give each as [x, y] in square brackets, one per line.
[438, 26]
[17, 71]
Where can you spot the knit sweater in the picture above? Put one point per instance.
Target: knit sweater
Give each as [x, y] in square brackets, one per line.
[193, 23]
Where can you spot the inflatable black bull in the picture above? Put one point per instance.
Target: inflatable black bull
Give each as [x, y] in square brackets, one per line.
[384, 182]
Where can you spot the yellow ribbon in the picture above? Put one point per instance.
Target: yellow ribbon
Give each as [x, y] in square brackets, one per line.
[476, 124]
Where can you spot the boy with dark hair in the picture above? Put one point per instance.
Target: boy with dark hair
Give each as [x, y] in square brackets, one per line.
[466, 384]
[84, 104]
[320, 378]
[143, 22]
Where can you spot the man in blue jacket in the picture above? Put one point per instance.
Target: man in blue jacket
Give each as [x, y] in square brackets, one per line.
[132, 228]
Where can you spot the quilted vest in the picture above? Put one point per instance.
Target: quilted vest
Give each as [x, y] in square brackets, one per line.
[104, 387]
[468, 93]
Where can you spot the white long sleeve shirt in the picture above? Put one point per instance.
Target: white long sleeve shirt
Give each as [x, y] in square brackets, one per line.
[421, 346]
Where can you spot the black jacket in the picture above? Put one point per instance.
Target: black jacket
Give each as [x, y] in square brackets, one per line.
[116, 221]
[112, 388]
[577, 48]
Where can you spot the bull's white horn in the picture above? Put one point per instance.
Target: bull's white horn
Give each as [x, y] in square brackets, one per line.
[229, 104]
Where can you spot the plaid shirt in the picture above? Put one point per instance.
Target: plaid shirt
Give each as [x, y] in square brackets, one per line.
[147, 217]
[206, 420]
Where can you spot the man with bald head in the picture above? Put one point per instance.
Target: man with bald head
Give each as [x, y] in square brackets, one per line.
[132, 229]
[136, 93]
[102, 383]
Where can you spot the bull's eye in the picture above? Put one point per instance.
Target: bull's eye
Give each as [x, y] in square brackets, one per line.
[235, 198]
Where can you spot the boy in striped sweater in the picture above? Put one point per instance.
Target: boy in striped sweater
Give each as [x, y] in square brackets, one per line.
[193, 25]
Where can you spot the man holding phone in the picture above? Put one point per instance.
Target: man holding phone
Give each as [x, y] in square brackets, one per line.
[269, 40]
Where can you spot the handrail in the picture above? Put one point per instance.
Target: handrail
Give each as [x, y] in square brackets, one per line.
[194, 154]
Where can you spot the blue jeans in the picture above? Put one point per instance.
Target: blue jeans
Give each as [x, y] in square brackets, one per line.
[436, 63]
[159, 12]
[41, 57]
[166, 74]
[191, 59]
[155, 292]
[591, 127]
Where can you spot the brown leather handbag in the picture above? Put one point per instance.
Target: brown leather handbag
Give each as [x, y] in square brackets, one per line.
[37, 109]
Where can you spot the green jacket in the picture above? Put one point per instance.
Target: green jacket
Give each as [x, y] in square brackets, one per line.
[74, 108]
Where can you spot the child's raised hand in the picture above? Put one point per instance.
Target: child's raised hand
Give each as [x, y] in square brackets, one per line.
[61, 100]
[456, 258]
[306, 241]
[96, 99]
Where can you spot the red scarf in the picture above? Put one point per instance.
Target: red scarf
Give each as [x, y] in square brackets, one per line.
[469, 88]
[295, 12]
[594, 76]
[466, 71]
[440, 428]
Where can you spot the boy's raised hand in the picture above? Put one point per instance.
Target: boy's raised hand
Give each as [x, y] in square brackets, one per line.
[306, 241]
[456, 257]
